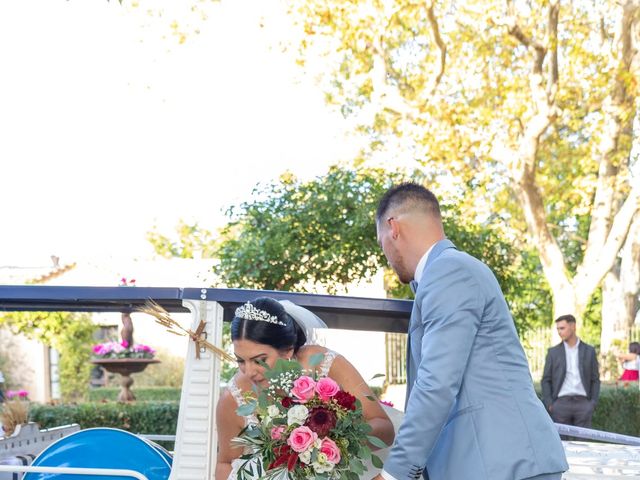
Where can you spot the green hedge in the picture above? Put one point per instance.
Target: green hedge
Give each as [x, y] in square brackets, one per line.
[144, 394]
[618, 409]
[140, 417]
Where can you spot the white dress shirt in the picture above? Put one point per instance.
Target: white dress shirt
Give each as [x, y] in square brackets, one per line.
[416, 276]
[421, 264]
[387, 476]
[572, 384]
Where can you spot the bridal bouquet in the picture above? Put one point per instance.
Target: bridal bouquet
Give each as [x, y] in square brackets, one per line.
[304, 427]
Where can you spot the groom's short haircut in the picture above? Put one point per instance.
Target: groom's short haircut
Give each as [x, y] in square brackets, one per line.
[566, 318]
[410, 197]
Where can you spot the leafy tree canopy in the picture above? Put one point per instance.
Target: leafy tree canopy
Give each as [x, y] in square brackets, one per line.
[295, 235]
[189, 241]
[526, 108]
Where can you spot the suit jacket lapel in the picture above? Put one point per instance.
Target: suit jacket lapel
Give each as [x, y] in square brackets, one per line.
[437, 249]
[582, 365]
[409, 372]
[562, 359]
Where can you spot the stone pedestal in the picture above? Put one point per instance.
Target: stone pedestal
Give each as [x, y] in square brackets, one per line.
[125, 367]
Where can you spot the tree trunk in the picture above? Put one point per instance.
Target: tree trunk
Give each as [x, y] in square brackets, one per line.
[610, 219]
[614, 311]
[620, 293]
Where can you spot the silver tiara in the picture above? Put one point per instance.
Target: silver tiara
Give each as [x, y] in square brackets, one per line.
[249, 312]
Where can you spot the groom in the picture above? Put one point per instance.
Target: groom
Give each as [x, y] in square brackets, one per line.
[471, 410]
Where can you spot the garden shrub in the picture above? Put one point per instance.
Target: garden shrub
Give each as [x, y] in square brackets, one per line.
[138, 417]
[618, 408]
[143, 394]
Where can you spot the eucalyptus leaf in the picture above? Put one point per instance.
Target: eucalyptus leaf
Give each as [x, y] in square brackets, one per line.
[376, 442]
[365, 452]
[246, 409]
[356, 466]
[316, 359]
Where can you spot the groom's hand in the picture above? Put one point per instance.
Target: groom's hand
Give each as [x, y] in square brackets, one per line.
[378, 477]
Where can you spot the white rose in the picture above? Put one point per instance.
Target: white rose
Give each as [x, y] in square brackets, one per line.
[321, 465]
[305, 457]
[297, 414]
[273, 411]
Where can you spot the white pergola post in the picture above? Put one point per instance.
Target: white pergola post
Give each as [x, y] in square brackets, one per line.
[196, 437]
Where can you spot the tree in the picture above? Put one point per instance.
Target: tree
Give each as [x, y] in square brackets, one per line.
[192, 241]
[527, 105]
[297, 235]
[70, 334]
[294, 234]
[620, 291]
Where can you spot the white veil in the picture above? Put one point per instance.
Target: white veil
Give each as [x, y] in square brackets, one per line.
[308, 321]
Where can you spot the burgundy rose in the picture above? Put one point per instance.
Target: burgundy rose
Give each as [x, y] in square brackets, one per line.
[345, 400]
[287, 402]
[321, 421]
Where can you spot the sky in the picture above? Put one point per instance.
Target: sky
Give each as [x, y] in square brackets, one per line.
[109, 125]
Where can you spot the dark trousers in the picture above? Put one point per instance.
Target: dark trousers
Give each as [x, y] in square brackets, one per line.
[573, 410]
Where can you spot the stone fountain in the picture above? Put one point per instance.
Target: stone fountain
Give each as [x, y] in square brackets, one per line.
[125, 367]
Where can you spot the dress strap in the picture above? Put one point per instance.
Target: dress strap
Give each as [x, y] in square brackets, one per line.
[325, 366]
[236, 393]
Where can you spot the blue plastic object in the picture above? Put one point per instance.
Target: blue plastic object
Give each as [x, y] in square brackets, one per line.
[102, 448]
[163, 451]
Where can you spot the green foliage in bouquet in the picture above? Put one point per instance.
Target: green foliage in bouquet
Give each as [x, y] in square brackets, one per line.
[302, 426]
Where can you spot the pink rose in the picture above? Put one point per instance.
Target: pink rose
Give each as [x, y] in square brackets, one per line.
[301, 438]
[276, 432]
[326, 388]
[331, 450]
[303, 388]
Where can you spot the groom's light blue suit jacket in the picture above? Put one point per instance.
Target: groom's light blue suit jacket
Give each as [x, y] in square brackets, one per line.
[471, 411]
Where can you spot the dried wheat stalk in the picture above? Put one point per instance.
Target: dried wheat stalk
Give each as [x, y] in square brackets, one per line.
[163, 318]
[14, 413]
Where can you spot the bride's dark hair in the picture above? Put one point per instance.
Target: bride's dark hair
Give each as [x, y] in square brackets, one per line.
[280, 337]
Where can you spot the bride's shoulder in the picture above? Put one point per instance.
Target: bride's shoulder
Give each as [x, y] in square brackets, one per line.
[305, 352]
[331, 359]
[238, 384]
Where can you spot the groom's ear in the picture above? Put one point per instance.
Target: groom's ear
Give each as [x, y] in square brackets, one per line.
[394, 225]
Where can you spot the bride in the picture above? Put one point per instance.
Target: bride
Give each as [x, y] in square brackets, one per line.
[265, 330]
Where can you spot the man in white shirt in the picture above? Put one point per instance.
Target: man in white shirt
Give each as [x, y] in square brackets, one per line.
[571, 379]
